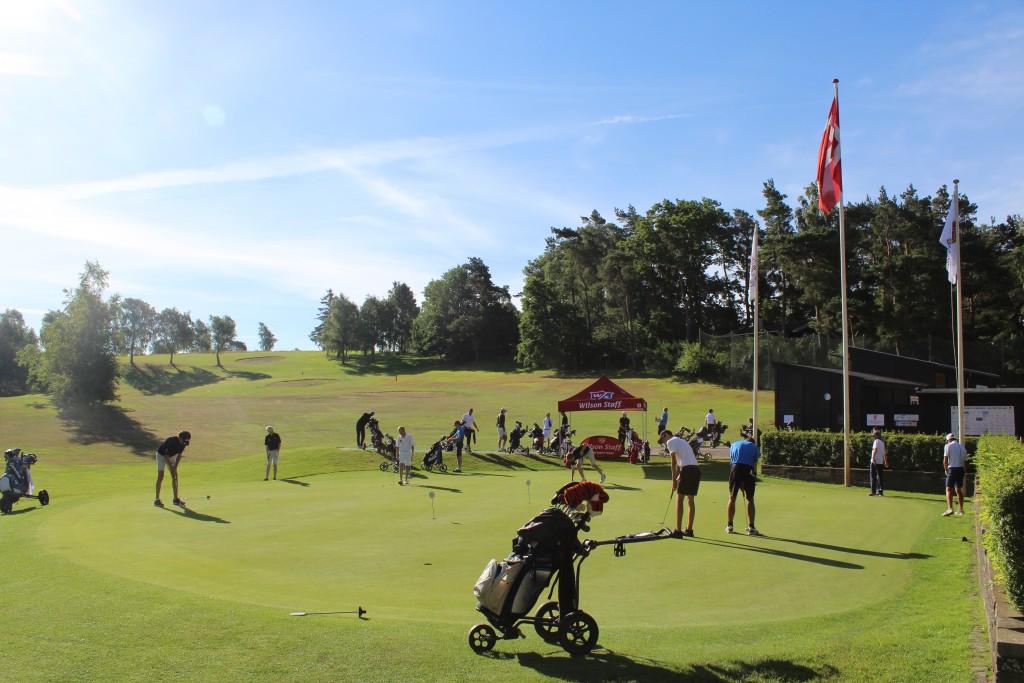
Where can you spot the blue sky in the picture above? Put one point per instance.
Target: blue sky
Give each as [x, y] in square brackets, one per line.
[241, 157]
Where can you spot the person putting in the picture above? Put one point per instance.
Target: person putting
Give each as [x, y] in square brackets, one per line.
[743, 455]
[168, 455]
[576, 464]
[686, 475]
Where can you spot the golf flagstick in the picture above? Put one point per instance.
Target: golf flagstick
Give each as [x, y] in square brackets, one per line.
[360, 612]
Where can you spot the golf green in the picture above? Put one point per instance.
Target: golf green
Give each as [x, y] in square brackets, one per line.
[346, 539]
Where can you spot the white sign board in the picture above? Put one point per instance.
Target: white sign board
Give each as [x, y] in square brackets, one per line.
[905, 420]
[876, 419]
[980, 420]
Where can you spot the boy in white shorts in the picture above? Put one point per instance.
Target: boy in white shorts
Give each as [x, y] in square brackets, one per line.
[405, 445]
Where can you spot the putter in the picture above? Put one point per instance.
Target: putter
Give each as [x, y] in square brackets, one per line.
[665, 516]
[360, 612]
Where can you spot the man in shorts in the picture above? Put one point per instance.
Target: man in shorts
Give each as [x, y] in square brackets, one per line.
[954, 463]
[743, 455]
[685, 479]
[272, 442]
[502, 434]
[468, 422]
[168, 455]
[405, 445]
[576, 461]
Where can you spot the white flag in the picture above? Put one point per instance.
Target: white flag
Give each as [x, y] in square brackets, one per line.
[752, 288]
[950, 239]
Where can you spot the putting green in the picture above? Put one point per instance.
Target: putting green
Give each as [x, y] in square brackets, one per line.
[340, 540]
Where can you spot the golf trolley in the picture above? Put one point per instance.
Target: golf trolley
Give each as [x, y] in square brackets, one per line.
[547, 549]
[695, 440]
[515, 440]
[434, 458]
[16, 482]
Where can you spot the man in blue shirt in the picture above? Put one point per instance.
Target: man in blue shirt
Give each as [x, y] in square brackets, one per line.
[743, 455]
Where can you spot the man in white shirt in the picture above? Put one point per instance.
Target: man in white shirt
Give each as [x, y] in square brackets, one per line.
[467, 422]
[879, 461]
[685, 479]
[954, 462]
[405, 445]
[710, 420]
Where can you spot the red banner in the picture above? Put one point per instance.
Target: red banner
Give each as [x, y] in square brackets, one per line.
[605, 447]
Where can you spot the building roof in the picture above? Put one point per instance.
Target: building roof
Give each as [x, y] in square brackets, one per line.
[876, 379]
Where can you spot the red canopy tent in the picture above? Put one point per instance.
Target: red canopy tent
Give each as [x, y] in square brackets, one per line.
[603, 394]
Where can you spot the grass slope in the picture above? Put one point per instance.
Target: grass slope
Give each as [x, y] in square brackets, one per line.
[842, 587]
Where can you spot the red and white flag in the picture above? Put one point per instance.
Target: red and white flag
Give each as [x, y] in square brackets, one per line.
[830, 172]
[950, 239]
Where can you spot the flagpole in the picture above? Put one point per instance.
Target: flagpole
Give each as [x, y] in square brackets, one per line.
[959, 315]
[846, 335]
[757, 336]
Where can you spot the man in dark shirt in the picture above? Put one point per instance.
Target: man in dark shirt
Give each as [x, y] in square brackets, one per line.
[361, 429]
[169, 455]
[272, 442]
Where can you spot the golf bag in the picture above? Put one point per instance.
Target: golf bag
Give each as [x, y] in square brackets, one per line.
[537, 437]
[561, 442]
[16, 482]
[434, 458]
[713, 434]
[545, 547]
[515, 439]
[639, 450]
[376, 436]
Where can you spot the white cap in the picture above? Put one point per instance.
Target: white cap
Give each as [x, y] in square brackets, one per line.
[950, 437]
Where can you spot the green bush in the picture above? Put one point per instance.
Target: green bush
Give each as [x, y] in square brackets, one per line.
[698, 362]
[1001, 470]
[913, 452]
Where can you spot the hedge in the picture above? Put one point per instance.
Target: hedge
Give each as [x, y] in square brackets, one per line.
[912, 452]
[1001, 471]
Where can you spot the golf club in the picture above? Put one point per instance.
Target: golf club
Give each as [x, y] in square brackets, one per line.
[360, 612]
[665, 516]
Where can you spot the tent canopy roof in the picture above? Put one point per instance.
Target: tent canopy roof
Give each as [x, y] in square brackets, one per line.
[603, 394]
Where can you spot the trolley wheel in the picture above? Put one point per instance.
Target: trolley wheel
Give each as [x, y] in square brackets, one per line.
[578, 634]
[6, 505]
[44, 497]
[706, 457]
[384, 466]
[546, 622]
[482, 638]
[726, 443]
[442, 468]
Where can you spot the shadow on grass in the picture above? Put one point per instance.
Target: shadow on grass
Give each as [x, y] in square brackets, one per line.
[296, 482]
[189, 513]
[440, 488]
[165, 380]
[854, 551]
[604, 665]
[838, 564]
[20, 511]
[109, 424]
[247, 374]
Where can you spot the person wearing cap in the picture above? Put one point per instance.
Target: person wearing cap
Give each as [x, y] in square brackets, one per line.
[168, 455]
[406, 446]
[879, 461]
[623, 428]
[361, 423]
[576, 461]
[954, 463]
[502, 433]
[459, 434]
[685, 479]
[272, 442]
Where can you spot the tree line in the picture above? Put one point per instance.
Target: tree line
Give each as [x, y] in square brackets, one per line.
[643, 293]
[74, 356]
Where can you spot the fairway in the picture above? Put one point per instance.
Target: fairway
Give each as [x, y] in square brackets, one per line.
[841, 587]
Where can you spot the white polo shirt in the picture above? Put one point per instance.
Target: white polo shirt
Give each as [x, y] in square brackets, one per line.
[681, 451]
